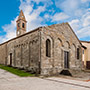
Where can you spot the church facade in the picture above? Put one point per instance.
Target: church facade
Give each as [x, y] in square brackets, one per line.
[46, 50]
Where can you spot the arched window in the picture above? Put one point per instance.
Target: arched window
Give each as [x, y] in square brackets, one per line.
[74, 50]
[61, 44]
[67, 44]
[23, 25]
[48, 48]
[78, 53]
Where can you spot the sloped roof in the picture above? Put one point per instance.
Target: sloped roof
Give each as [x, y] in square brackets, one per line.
[84, 47]
[21, 16]
[74, 33]
[86, 41]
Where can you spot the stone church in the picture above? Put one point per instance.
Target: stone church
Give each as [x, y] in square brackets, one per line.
[46, 50]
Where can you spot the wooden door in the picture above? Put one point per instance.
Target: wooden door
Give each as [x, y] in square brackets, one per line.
[66, 59]
[88, 64]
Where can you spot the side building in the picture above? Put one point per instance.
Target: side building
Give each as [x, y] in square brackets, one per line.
[85, 54]
[45, 50]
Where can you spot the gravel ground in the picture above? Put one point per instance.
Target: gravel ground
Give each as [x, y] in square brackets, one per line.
[9, 81]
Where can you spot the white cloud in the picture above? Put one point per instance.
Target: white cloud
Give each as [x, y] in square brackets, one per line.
[75, 24]
[84, 32]
[73, 7]
[67, 5]
[33, 17]
[59, 17]
[38, 1]
[26, 7]
[86, 19]
[82, 26]
[79, 12]
[84, 1]
[46, 16]
[10, 30]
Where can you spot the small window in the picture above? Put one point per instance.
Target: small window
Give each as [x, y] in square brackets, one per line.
[48, 48]
[23, 25]
[77, 53]
[83, 51]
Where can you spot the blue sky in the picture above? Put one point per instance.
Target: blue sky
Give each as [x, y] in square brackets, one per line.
[45, 12]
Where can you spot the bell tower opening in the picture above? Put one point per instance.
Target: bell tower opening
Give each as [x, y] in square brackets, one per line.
[18, 24]
[21, 24]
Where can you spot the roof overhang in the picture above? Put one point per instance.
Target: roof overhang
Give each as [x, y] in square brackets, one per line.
[84, 47]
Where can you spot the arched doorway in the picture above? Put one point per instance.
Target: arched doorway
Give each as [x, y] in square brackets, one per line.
[66, 55]
[10, 59]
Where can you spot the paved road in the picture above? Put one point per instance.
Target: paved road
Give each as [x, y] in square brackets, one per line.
[9, 81]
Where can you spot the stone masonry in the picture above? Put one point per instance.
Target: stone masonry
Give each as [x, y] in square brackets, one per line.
[28, 51]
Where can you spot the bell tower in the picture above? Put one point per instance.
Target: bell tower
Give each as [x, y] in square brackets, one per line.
[21, 24]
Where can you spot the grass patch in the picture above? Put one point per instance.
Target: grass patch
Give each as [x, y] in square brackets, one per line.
[16, 71]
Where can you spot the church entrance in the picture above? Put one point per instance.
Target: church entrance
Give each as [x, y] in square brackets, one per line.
[66, 59]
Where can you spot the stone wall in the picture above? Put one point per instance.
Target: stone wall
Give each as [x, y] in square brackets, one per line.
[62, 39]
[3, 53]
[24, 51]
